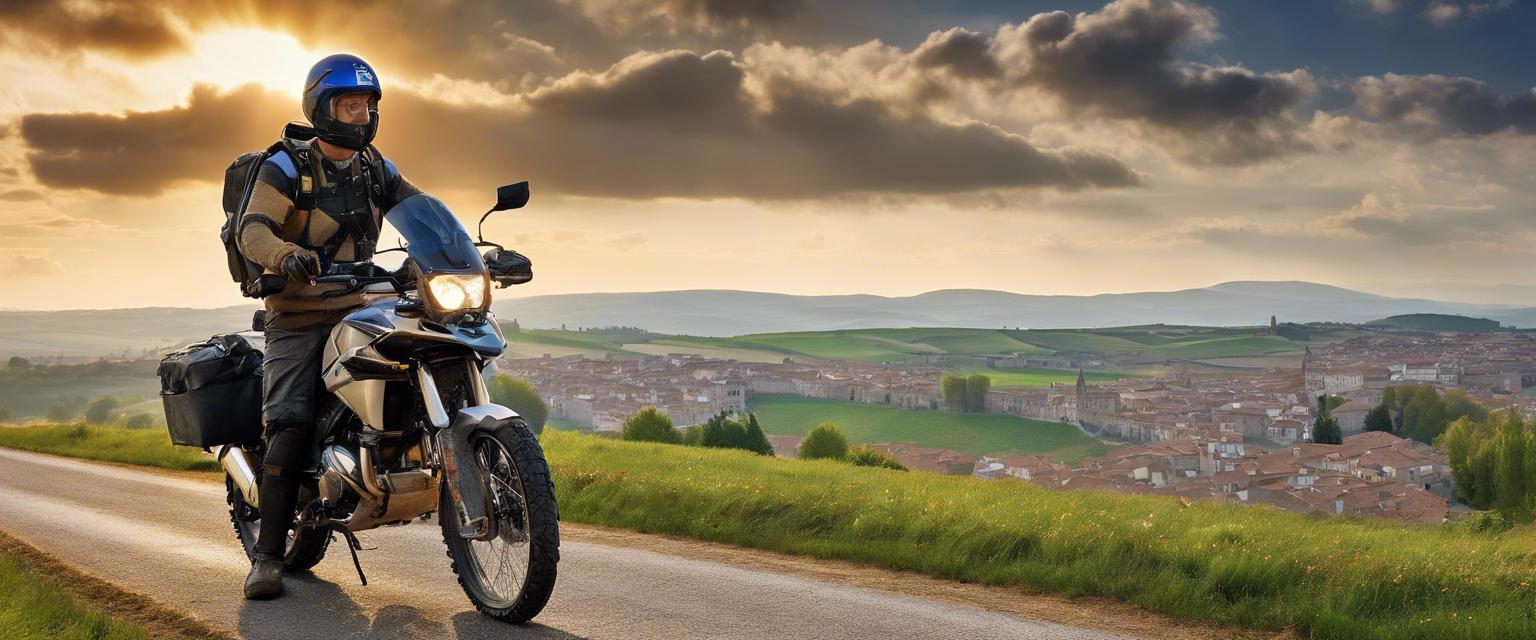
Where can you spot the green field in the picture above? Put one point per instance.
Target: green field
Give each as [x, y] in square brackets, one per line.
[938, 345]
[973, 433]
[1325, 578]
[32, 397]
[1040, 376]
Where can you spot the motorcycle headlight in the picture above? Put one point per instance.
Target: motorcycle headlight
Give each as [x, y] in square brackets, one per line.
[449, 292]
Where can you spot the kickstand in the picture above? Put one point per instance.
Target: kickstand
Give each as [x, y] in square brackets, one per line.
[353, 545]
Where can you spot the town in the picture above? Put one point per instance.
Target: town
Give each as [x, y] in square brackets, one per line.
[1241, 436]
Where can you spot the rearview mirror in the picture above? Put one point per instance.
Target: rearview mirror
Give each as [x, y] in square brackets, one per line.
[512, 196]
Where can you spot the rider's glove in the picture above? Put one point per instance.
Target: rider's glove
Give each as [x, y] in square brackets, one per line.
[302, 265]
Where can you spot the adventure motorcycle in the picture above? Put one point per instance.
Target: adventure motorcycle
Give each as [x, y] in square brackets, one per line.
[408, 428]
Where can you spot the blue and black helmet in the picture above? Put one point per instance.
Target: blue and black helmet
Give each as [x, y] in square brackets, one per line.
[333, 76]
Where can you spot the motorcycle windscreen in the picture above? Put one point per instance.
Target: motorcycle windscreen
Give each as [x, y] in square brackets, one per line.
[434, 237]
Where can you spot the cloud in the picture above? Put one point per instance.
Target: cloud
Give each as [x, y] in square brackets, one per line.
[964, 53]
[21, 195]
[146, 152]
[1122, 63]
[26, 265]
[1444, 13]
[1434, 105]
[132, 28]
[654, 125]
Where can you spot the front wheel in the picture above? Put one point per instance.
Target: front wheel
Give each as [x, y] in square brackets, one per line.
[511, 576]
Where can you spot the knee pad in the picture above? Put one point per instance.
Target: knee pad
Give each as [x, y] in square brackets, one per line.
[291, 451]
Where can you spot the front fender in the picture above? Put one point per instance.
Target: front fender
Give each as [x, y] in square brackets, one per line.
[486, 417]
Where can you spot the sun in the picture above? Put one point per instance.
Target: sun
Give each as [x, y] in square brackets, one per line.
[238, 56]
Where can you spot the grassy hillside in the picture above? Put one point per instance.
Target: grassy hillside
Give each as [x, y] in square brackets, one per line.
[1328, 578]
[976, 434]
[1437, 322]
[1040, 376]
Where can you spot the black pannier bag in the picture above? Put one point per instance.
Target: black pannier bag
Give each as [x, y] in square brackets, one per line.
[212, 392]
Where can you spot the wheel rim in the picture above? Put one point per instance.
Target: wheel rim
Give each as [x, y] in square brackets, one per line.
[500, 565]
[249, 520]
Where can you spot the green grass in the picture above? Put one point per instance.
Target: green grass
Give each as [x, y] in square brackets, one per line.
[33, 608]
[1328, 578]
[147, 447]
[1040, 376]
[1229, 346]
[973, 433]
[1248, 566]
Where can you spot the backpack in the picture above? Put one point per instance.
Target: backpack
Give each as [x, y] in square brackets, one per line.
[240, 180]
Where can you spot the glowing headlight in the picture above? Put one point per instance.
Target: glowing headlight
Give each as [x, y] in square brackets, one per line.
[457, 292]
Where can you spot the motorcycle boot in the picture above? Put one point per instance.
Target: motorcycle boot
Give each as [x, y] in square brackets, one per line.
[266, 578]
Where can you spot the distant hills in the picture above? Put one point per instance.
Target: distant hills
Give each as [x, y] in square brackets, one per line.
[732, 313]
[728, 313]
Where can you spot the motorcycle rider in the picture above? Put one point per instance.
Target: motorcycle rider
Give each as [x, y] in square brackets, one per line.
[343, 179]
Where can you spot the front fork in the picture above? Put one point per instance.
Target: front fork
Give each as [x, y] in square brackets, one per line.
[466, 480]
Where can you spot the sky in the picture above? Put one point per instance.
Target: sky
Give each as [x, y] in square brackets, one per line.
[805, 146]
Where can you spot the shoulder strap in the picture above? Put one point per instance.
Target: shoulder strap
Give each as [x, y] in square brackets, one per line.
[304, 171]
[376, 170]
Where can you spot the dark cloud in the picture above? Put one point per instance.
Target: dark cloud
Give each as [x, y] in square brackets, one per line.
[1440, 105]
[9, 172]
[143, 153]
[22, 195]
[1122, 62]
[966, 54]
[133, 28]
[675, 124]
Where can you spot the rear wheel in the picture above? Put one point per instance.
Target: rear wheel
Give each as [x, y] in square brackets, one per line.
[511, 576]
[305, 547]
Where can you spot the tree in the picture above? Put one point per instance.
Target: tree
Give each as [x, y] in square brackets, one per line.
[1379, 418]
[1325, 430]
[61, 412]
[733, 434]
[651, 425]
[824, 441]
[99, 411]
[1326, 403]
[18, 362]
[976, 387]
[866, 457]
[5, 413]
[953, 388]
[519, 396]
[1509, 478]
[1424, 415]
[757, 441]
[139, 421]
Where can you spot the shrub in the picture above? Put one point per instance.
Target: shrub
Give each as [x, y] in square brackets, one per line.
[519, 396]
[651, 425]
[824, 441]
[866, 457]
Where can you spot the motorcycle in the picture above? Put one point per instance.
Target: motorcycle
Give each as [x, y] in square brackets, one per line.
[408, 429]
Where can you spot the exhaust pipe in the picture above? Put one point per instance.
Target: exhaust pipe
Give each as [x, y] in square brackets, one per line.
[233, 459]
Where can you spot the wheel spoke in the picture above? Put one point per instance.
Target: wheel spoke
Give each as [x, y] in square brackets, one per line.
[509, 555]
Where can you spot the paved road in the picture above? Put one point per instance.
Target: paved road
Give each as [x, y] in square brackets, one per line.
[170, 539]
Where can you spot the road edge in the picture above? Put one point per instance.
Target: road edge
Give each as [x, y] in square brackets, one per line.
[156, 619]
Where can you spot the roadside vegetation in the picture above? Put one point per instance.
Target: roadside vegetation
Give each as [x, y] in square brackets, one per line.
[146, 447]
[34, 608]
[1251, 566]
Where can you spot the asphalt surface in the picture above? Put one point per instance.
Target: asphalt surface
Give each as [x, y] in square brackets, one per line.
[170, 539]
